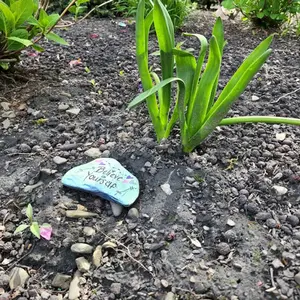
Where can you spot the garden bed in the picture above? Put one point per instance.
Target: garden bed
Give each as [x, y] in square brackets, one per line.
[229, 230]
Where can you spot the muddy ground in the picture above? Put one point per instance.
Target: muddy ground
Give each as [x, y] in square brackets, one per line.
[230, 229]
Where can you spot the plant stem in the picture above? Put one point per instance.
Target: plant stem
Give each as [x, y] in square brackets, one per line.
[260, 119]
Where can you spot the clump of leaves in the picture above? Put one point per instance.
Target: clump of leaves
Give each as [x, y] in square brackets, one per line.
[78, 8]
[22, 24]
[196, 106]
[267, 13]
[37, 230]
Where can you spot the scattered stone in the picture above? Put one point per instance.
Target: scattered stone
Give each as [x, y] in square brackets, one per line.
[93, 153]
[164, 283]
[107, 178]
[4, 280]
[45, 295]
[297, 278]
[166, 189]
[59, 160]
[280, 136]
[80, 214]
[89, 231]
[254, 98]
[223, 248]
[230, 235]
[271, 223]
[6, 123]
[63, 107]
[252, 209]
[230, 223]
[116, 208]
[133, 214]
[280, 190]
[74, 290]
[5, 105]
[109, 244]
[82, 264]
[25, 148]
[293, 220]
[116, 288]
[195, 242]
[170, 296]
[97, 256]
[30, 188]
[276, 263]
[263, 216]
[288, 256]
[61, 281]
[81, 248]
[73, 111]
[18, 277]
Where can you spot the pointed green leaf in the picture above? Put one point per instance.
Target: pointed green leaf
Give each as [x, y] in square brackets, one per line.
[256, 53]
[143, 96]
[52, 20]
[33, 21]
[37, 48]
[22, 10]
[35, 229]
[24, 42]
[21, 228]
[220, 111]
[29, 212]
[201, 56]
[13, 45]
[56, 38]
[165, 35]
[7, 19]
[199, 107]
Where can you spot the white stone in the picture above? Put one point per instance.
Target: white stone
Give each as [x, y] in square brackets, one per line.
[280, 190]
[59, 160]
[116, 208]
[280, 136]
[230, 223]
[93, 153]
[73, 111]
[254, 98]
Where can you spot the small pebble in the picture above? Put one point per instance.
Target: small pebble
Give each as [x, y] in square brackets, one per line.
[59, 160]
[223, 248]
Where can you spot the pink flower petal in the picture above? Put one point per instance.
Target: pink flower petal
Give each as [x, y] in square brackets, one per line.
[94, 35]
[46, 232]
[76, 62]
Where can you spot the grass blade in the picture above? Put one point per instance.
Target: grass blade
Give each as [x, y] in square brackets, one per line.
[198, 109]
[143, 26]
[257, 52]
[165, 35]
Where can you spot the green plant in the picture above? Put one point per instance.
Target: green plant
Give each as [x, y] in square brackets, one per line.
[78, 8]
[268, 13]
[22, 24]
[36, 229]
[198, 111]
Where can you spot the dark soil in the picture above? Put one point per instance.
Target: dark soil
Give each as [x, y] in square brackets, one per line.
[233, 176]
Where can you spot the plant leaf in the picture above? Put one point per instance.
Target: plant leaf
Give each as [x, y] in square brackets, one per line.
[56, 38]
[7, 19]
[37, 48]
[21, 228]
[198, 107]
[22, 10]
[29, 212]
[24, 42]
[165, 35]
[35, 229]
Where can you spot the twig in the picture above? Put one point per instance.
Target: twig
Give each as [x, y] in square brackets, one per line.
[276, 101]
[128, 253]
[83, 18]
[22, 257]
[272, 277]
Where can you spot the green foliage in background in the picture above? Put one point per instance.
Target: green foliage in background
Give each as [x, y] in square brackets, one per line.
[22, 24]
[267, 13]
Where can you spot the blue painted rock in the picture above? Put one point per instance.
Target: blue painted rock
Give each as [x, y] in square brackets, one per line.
[106, 178]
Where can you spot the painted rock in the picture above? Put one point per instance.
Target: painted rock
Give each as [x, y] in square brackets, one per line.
[106, 178]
